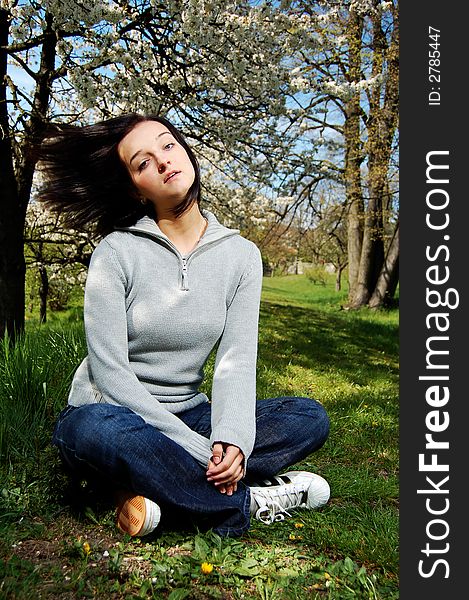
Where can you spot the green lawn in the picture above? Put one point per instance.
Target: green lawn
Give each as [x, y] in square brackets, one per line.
[61, 542]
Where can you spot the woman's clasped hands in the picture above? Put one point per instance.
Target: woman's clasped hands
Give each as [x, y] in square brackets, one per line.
[225, 467]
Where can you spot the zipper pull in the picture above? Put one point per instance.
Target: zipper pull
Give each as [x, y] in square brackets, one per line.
[184, 274]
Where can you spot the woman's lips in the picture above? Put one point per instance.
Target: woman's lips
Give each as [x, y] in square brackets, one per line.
[170, 175]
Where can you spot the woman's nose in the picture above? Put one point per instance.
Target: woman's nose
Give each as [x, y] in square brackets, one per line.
[161, 168]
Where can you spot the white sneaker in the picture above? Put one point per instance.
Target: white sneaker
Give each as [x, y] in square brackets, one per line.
[137, 515]
[272, 500]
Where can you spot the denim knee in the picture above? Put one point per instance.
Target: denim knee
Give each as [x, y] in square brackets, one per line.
[313, 424]
[321, 422]
[316, 422]
[87, 436]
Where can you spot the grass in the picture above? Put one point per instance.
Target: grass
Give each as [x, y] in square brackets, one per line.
[59, 541]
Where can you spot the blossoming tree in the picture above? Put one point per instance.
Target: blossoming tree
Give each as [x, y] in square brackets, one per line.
[275, 97]
[347, 65]
[213, 67]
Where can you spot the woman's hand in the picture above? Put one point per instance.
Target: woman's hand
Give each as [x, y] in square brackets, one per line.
[226, 467]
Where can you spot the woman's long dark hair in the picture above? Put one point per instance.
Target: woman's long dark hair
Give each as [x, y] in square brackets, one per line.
[86, 182]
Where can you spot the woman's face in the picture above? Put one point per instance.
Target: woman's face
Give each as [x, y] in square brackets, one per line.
[158, 165]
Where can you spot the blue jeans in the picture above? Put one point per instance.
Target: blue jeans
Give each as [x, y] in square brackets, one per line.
[114, 442]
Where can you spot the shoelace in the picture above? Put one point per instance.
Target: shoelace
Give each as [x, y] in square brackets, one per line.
[272, 510]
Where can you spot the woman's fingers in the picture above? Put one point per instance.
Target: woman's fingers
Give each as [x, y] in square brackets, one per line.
[227, 488]
[229, 466]
[230, 488]
[217, 453]
[229, 478]
[229, 471]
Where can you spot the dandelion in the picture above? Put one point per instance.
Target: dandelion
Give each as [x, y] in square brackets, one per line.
[292, 536]
[206, 568]
[299, 525]
[86, 548]
[327, 576]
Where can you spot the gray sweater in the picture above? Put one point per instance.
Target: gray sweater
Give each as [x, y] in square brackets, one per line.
[152, 317]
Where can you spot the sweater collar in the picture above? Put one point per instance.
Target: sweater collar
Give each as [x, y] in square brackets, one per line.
[215, 230]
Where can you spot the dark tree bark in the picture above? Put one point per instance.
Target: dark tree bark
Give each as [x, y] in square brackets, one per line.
[387, 280]
[353, 155]
[12, 266]
[380, 123]
[16, 179]
[43, 293]
[338, 277]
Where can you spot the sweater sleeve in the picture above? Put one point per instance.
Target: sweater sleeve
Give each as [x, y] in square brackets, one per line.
[107, 341]
[234, 379]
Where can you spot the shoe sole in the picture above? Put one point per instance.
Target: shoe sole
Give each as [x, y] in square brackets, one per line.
[135, 516]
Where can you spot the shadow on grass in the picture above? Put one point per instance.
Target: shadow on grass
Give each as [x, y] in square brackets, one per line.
[91, 498]
[360, 349]
[353, 359]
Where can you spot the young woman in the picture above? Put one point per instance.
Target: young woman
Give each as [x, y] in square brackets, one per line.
[166, 284]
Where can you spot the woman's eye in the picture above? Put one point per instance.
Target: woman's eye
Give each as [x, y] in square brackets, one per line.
[169, 146]
[142, 165]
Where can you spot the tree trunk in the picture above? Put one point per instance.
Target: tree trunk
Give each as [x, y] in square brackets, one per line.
[12, 265]
[380, 125]
[43, 293]
[15, 190]
[353, 155]
[338, 277]
[372, 255]
[387, 280]
[394, 281]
